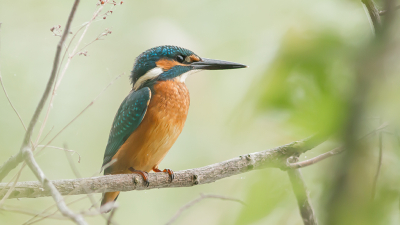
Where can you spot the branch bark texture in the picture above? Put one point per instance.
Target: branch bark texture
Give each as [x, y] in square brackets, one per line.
[302, 196]
[275, 157]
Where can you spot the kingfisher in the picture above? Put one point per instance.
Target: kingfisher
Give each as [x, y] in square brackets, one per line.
[151, 117]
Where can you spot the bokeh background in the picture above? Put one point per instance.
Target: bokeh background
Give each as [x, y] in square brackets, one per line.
[301, 56]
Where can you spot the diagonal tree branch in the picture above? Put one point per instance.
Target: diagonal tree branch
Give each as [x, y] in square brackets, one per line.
[17, 159]
[302, 196]
[374, 15]
[333, 152]
[25, 152]
[275, 158]
[49, 186]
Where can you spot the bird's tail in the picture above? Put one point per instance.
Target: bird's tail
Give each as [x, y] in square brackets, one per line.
[109, 197]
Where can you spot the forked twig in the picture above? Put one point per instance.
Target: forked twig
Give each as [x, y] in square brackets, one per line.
[89, 195]
[70, 56]
[77, 116]
[26, 151]
[302, 196]
[333, 152]
[202, 196]
[67, 196]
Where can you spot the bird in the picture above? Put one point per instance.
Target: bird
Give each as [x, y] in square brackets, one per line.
[150, 119]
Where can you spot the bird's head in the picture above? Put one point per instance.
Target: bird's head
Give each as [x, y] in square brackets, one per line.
[172, 62]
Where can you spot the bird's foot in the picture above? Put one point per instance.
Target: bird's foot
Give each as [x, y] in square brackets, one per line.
[145, 175]
[169, 171]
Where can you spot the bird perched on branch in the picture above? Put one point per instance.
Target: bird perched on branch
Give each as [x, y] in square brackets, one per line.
[152, 116]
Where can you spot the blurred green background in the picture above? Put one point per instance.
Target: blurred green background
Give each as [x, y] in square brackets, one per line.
[300, 55]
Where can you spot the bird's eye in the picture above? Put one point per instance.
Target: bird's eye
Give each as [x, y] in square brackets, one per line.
[180, 58]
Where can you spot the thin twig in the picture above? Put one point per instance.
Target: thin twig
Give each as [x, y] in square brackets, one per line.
[44, 138]
[384, 12]
[109, 220]
[89, 195]
[70, 193]
[70, 56]
[12, 186]
[333, 152]
[28, 212]
[9, 100]
[54, 88]
[30, 160]
[23, 124]
[378, 169]
[64, 149]
[44, 216]
[302, 196]
[374, 15]
[77, 116]
[16, 159]
[26, 151]
[76, 46]
[103, 34]
[397, 134]
[202, 196]
[370, 64]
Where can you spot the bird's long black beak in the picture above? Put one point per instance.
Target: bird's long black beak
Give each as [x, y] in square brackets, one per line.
[212, 64]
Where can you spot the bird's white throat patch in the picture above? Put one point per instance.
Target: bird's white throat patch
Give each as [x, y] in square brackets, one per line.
[181, 78]
[155, 72]
[151, 74]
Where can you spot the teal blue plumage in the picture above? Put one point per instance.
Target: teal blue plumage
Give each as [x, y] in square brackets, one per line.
[129, 116]
[138, 143]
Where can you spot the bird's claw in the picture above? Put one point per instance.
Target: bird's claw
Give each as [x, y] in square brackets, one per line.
[169, 171]
[144, 175]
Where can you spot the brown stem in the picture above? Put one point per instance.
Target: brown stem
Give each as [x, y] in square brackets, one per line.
[333, 152]
[302, 196]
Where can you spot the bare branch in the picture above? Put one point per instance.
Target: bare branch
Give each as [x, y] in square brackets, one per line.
[369, 69]
[333, 152]
[384, 12]
[43, 214]
[302, 196]
[68, 195]
[60, 76]
[378, 170]
[77, 45]
[110, 217]
[77, 116]
[16, 159]
[275, 157]
[44, 138]
[103, 34]
[28, 212]
[49, 186]
[202, 196]
[12, 186]
[64, 149]
[26, 152]
[9, 100]
[89, 195]
[374, 14]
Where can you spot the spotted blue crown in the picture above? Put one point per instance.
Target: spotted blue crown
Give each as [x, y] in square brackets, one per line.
[147, 60]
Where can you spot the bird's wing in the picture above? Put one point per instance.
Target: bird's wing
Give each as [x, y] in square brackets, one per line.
[130, 114]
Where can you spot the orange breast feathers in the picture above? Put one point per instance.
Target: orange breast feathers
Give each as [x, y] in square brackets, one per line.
[161, 126]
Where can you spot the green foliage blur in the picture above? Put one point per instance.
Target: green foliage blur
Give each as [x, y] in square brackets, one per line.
[309, 79]
[302, 56]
